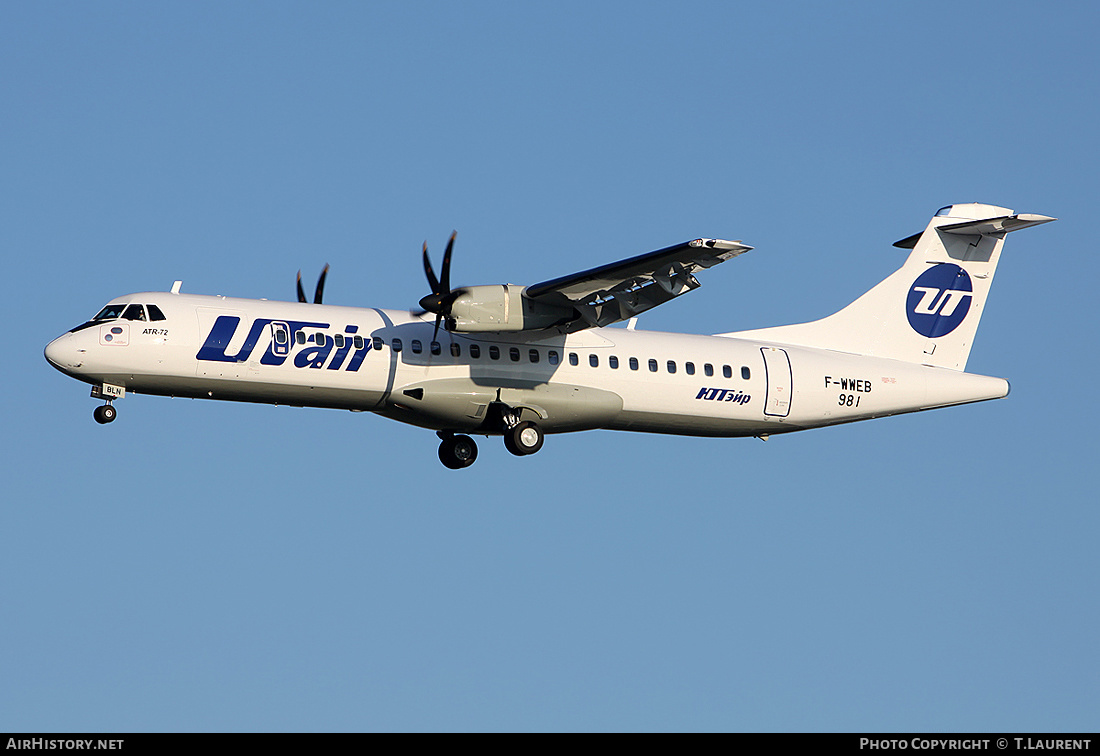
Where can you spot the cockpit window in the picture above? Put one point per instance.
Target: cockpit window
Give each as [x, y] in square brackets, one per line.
[155, 313]
[134, 312]
[110, 312]
[944, 211]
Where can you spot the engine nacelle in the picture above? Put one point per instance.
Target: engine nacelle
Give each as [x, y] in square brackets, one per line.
[502, 308]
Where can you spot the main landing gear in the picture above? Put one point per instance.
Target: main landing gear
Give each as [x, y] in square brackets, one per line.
[105, 413]
[459, 451]
[523, 439]
[456, 452]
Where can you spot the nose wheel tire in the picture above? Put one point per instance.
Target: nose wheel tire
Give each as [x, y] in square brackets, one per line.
[457, 452]
[523, 439]
[104, 414]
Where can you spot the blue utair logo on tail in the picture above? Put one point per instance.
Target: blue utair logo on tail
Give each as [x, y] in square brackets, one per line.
[939, 300]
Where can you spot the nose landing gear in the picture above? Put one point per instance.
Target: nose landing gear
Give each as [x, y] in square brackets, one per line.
[105, 413]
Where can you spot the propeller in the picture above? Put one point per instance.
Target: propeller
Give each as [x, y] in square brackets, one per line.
[442, 297]
[320, 287]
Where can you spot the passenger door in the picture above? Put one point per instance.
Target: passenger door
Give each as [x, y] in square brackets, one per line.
[777, 369]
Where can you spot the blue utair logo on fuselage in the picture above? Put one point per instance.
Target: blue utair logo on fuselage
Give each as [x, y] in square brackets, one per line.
[313, 355]
[723, 395]
[939, 300]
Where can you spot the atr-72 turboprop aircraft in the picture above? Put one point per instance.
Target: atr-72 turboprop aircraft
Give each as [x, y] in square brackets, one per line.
[521, 362]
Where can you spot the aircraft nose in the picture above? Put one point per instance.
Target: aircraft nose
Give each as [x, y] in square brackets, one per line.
[62, 353]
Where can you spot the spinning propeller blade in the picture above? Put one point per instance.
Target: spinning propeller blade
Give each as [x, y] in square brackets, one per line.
[317, 295]
[442, 297]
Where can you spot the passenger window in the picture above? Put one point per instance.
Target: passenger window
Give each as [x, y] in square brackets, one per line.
[494, 352]
[376, 341]
[727, 371]
[134, 312]
[397, 345]
[155, 313]
[475, 351]
[594, 360]
[280, 337]
[416, 346]
[553, 357]
[745, 373]
[357, 342]
[436, 349]
[573, 360]
[300, 337]
[533, 355]
[689, 368]
[320, 339]
[513, 354]
[456, 349]
[672, 366]
[653, 366]
[708, 369]
[338, 340]
[613, 362]
[633, 363]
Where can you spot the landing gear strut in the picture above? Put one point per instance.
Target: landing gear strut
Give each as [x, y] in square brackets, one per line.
[457, 452]
[520, 437]
[105, 413]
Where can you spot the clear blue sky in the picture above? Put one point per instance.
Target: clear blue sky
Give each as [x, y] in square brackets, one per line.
[211, 566]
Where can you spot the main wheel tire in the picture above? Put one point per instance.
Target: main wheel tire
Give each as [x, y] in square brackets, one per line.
[457, 452]
[523, 439]
[104, 414]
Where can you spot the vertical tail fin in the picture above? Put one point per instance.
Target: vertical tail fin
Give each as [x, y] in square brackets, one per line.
[928, 310]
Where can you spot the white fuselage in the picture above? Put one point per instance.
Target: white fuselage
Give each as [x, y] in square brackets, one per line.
[382, 361]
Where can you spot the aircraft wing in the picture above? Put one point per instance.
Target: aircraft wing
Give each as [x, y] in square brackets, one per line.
[621, 290]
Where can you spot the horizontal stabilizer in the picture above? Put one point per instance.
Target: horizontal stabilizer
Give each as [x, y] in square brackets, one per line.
[1001, 225]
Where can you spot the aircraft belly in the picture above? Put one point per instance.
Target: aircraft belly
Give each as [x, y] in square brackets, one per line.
[464, 403]
[693, 406]
[241, 389]
[697, 425]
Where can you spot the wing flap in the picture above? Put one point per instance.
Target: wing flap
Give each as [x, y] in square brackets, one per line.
[623, 289]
